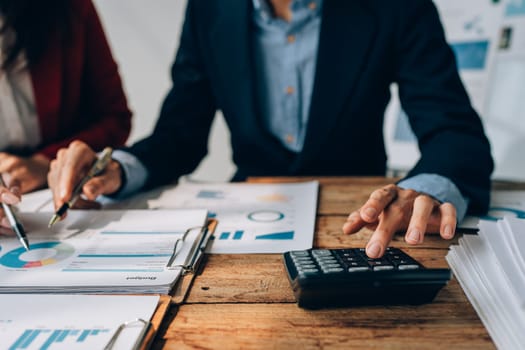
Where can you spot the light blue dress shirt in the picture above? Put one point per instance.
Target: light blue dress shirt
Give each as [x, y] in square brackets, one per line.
[285, 57]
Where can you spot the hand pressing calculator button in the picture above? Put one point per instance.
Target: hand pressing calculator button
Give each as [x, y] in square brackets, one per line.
[347, 277]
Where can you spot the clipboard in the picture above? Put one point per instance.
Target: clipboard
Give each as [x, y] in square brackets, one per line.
[156, 320]
[96, 321]
[194, 264]
[191, 267]
[149, 327]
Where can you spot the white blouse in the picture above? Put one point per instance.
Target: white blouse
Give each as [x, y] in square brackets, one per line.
[19, 126]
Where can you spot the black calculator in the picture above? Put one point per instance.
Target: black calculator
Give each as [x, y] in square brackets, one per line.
[348, 277]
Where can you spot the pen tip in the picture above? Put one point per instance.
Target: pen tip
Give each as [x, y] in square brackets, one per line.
[25, 244]
[53, 220]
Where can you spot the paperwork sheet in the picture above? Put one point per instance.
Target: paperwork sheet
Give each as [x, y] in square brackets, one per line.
[490, 268]
[56, 322]
[502, 204]
[111, 251]
[253, 218]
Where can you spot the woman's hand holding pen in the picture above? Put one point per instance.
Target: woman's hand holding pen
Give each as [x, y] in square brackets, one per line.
[71, 166]
[9, 194]
[28, 172]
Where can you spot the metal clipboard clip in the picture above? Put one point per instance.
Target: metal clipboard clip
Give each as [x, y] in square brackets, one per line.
[146, 325]
[191, 263]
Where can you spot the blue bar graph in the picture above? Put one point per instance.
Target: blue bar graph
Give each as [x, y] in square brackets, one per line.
[237, 235]
[277, 236]
[45, 338]
[52, 339]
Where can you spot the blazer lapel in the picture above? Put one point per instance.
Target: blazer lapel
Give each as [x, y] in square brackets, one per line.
[231, 38]
[347, 32]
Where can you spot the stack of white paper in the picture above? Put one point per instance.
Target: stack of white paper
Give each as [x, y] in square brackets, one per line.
[112, 251]
[491, 269]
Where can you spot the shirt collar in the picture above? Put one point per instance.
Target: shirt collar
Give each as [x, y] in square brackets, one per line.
[265, 10]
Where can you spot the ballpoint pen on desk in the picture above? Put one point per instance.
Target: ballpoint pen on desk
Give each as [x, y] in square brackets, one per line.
[99, 166]
[13, 221]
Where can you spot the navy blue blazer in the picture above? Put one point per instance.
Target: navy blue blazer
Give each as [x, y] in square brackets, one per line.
[364, 46]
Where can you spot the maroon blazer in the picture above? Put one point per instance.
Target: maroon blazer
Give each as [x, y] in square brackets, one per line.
[77, 87]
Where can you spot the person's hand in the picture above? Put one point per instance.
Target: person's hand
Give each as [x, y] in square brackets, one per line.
[9, 194]
[29, 173]
[392, 209]
[68, 169]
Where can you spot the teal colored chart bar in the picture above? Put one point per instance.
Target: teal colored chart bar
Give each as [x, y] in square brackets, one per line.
[276, 236]
[238, 235]
[121, 255]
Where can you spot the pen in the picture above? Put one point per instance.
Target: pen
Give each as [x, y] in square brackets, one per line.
[98, 166]
[13, 221]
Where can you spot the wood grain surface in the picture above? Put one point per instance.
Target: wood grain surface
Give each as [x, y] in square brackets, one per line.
[245, 301]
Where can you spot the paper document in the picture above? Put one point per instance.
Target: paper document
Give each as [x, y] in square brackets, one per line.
[502, 204]
[111, 251]
[80, 322]
[253, 218]
[490, 268]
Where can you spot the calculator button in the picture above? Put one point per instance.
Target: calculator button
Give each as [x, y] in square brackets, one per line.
[321, 252]
[330, 266]
[301, 260]
[333, 270]
[308, 271]
[408, 267]
[358, 268]
[383, 267]
[299, 253]
[327, 261]
[306, 266]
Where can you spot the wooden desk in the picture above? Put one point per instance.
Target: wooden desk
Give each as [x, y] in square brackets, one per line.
[245, 301]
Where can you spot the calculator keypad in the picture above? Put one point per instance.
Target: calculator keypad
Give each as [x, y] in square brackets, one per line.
[350, 260]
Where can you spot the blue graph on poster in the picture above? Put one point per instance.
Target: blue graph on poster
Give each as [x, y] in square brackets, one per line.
[515, 8]
[471, 55]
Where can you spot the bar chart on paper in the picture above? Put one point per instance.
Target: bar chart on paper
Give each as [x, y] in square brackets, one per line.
[45, 339]
[64, 322]
[253, 218]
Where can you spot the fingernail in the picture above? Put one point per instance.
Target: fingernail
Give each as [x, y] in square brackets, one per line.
[346, 226]
[447, 231]
[371, 213]
[414, 236]
[10, 198]
[373, 250]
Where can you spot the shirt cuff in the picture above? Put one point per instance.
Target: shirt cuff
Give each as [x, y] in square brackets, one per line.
[439, 187]
[135, 173]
